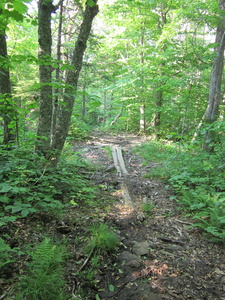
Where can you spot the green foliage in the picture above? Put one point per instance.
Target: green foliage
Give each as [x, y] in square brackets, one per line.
[44, 277]
[29, 185]
[197, 179]
[208, 210]
[79, 130]
[7, 255]
[103, 239]
[12, 10]
[156, 151]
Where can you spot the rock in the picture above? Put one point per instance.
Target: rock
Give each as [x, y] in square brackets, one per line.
[133, 263]
[141, 217]
[173, 248]
[141, 248]
[131, 260]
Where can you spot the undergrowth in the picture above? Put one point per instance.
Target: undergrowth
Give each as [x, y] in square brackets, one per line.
[43, 279]
[29, 187]
[197, 179]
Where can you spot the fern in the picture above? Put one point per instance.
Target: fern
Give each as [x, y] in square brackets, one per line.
[44, 279]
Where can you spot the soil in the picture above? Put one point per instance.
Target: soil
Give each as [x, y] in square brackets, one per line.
[159, 257]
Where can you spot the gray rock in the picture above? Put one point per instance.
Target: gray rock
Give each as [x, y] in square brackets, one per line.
[130, 259]
[133, 263]
[141, 248]
[141, 217]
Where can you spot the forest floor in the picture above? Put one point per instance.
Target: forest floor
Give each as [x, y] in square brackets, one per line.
[159, 256]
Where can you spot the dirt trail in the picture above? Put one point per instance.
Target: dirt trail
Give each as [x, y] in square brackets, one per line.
[160, 256]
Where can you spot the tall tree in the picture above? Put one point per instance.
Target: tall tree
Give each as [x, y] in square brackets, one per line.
[8, 11]
[57, 73]
[7, 111]
[45, 9]
[72, 77]
[212, 110]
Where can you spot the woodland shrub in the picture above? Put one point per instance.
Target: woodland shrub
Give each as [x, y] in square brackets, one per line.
[28, 185]
[197, 179]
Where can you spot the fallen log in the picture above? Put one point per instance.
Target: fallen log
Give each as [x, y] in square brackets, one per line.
[122, 171]
[118, 161]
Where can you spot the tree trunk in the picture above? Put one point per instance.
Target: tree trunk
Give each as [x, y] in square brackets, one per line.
[142, 75]
[45, 9]
[105, 106]
[83, 109]
[142, 117]
[212, 110]
[72, 77]
[157, 115]
[8, 112]
[57, 71]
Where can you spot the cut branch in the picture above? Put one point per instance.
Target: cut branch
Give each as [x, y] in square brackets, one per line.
[117, 116]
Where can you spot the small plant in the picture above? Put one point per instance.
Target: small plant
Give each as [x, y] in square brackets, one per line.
[95, 261]
[44, 278]
[103, 238]
[147, 208]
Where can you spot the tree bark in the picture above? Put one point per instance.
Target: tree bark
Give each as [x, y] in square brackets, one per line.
[142, 117]
[8, 112]
[142, 62]
[72, 77]
[45, 9]
[57, 71]
[157, 116]
[83, 109]
[212, 110]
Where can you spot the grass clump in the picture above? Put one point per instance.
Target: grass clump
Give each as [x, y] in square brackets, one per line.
[103, 239]
[44, 277]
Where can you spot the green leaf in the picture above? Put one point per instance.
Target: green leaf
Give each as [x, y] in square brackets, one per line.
[6, 219]
[97, 297]
[4, 199]
[15, 208]
[111, 288]
[24, 212]
[4, 246]
[19, 6]
[15, 15]
[6, 188]
[91, 3]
